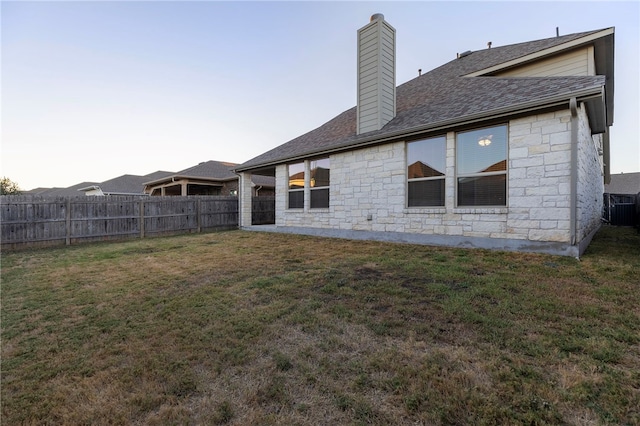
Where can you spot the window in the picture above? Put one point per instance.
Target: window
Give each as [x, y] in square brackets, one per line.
[481, 163]
[426, 161]
[320, 170]
[296, 186]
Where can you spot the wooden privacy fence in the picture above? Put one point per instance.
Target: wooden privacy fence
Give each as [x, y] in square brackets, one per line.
[31, 221]
[263, 210]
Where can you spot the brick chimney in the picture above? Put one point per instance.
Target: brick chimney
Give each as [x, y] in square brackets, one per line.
[376, 74]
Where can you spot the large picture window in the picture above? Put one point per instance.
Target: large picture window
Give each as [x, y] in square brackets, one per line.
[319, 182]
[296, 186]
[481, 164]
[426, 162]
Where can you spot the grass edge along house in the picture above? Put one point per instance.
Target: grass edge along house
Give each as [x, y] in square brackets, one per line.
[503, 148]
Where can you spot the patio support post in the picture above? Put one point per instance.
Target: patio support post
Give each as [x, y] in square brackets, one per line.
[244, 199]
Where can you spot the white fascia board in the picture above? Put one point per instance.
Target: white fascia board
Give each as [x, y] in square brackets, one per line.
[542, 53]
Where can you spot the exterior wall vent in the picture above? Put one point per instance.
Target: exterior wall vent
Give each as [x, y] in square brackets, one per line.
[376, 75]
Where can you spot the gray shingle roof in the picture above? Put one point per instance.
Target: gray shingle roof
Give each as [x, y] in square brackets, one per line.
[267, 181]
[70, 191]
[441, 98]
[210, 170]
[221, 170]
[125, 184]
[158, 175]
[623, 183]
[487, 58]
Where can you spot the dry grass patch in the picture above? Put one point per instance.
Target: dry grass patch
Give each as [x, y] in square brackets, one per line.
[253, 328]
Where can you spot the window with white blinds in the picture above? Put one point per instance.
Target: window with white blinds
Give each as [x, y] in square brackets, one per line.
[481, 167]
[426, 162]
[296, 186]
[319, 183]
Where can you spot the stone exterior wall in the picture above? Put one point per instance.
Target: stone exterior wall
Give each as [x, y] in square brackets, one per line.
[540, 177]
[368, 189]
[282, 215]
[590, 178]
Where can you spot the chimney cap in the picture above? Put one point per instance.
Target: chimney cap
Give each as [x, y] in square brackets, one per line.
[376, 16]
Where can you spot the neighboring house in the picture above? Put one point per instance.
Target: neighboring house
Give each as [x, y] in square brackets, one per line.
[623, 184]
[622, 200]
[60, 192]
[207, 178]
[503, 148]
[122, 185]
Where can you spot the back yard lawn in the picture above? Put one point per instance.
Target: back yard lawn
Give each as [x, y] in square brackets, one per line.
[257, 328]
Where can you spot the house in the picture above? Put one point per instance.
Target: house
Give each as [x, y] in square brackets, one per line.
[122, 185]
[622, 200]
[502, 148]
[207, 178]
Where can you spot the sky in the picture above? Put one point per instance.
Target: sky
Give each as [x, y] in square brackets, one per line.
[92, 90]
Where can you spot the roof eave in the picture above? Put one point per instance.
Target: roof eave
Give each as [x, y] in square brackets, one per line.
[179, 177]
[89, 188]
[123, 193]
[518, 109]
[597, 112]
[605, 62]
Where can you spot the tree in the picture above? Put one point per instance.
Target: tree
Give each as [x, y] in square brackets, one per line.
[8, 187]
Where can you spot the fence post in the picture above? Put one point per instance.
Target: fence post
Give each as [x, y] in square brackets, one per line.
[141, 219]
[199, 204]
[68, 222]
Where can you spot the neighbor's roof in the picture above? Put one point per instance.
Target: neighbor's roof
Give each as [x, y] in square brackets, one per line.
[121, 185]
[126, 184]
[60, 192]
[158, 174]
[210, 170]
[444, 97]
[263, 181]
[222, 170]
[623, 183]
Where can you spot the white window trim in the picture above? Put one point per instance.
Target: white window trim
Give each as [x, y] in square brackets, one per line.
[423, 209]
[480, 209]
[306, 189]
[289, 190]
[308, 184]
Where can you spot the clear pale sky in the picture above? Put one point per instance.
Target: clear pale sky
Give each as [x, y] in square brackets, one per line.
[94, 90]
